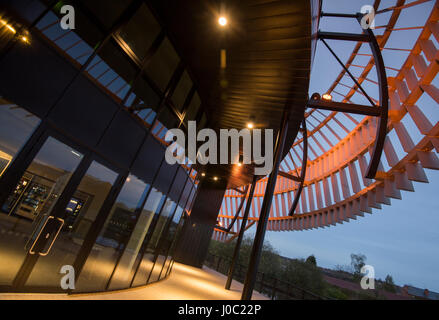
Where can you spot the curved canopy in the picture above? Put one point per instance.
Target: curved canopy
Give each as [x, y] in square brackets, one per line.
[340, 144]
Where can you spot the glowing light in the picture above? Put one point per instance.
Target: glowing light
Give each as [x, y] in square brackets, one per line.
[25, 39]
[11, 28]
[222, 21]
[203, 174]
[239, 164]
[215, 178]
[250, 125]
[327, 97]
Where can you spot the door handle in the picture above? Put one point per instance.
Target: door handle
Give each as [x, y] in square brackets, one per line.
[54, 238]
[39, 234]
[31, 250]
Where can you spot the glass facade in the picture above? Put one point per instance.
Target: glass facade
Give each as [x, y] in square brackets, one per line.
[63, 200]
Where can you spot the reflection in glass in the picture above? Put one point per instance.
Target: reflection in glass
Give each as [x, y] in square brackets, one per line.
[161, 222]
[113, 239]
[140, 32]
[31, 201]
[174, 242]
[152, 208]
[181, 91]
[163, 64]
[164, 244]
[16, 126]
[193, 108]
[79, 216]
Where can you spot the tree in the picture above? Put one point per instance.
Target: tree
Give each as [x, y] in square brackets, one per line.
[303, 275]
[389, 285]
[311, 260]
[358, 261]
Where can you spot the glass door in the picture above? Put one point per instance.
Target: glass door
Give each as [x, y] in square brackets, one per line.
[46, 218]
[26, 213]
[78, 217]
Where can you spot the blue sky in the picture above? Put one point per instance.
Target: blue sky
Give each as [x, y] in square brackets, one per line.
[401, 239]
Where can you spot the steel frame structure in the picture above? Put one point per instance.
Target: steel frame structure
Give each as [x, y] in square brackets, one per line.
[349, 179]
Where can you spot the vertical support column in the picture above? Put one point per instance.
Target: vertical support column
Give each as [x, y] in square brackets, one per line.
[255, 256]
[241, 234]
[197, 230]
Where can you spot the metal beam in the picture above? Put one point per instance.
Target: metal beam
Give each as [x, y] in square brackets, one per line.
[258, 242]
[241, 234]
[384, 105]
[345, 107]
[303, 172]
[240, 191]
[289, 176]
[338, 15]
[236, 215]
[358, 37]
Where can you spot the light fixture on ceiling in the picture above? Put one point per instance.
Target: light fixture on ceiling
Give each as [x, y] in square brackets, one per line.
[222, 21]
[215, 178]
[250, 125]
[203, 174]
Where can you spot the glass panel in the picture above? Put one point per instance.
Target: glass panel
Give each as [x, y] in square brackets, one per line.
[167, 120]
[193, 108]
[113, 69]
[163, 64]
[150, 254]
[182, 91]
[126, 267]
[165, 244]
[16, 126]
[78, 44]
[79, 216]
[165, 268]
[107, 12]
[140, 32]
[116, 233]
[32, 199]
[144, 100]
[151, 209]
[176, 236]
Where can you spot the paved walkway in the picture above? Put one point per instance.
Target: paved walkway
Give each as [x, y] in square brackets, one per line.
[185, 283]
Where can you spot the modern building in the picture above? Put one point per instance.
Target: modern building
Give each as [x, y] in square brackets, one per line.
[90, 88]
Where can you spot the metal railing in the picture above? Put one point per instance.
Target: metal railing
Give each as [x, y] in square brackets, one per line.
[273, 288]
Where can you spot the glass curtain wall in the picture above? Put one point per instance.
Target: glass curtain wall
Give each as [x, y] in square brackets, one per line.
[135, 67]
[112, 239]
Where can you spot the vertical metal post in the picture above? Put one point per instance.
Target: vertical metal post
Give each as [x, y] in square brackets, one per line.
[255, 256]
[241, 234]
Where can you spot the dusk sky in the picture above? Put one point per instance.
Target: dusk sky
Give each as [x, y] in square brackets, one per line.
[401, 239]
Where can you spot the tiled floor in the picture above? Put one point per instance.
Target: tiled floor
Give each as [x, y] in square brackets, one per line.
[185, 283]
